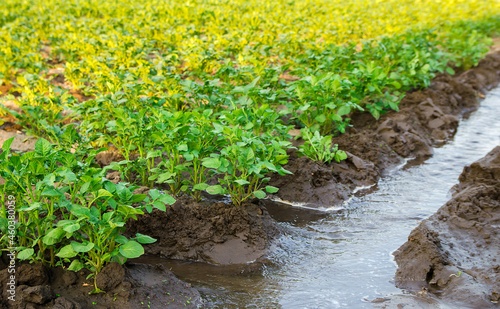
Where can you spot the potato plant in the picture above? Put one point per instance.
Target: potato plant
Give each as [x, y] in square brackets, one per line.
[67, 214]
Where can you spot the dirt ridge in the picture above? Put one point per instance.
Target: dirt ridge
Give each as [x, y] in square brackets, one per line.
[454, 254]
[215, 233]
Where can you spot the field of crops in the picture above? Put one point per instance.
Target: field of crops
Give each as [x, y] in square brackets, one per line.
[197, 97]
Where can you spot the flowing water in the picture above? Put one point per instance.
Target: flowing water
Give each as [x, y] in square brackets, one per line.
[342, 258]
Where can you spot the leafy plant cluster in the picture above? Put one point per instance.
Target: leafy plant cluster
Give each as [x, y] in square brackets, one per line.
[319, 148]
[169, 96]
[198, 118]
[68, 214]
[198, 98]
[226, 152]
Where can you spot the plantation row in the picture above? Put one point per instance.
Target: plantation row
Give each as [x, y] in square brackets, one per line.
[67, 211]
[197, 98]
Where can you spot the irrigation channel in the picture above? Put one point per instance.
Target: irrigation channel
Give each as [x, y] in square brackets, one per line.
[342, 258]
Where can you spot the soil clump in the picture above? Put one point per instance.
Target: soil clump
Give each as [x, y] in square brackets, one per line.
[127, 287]
[208, 231]
[454, 254]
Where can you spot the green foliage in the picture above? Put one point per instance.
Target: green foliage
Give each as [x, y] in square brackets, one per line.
[197, 101]
[319, 148]
[244, 163]
[67, 213]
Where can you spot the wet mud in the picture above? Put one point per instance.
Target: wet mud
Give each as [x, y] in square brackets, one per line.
[454, 254]
[207, 231]
[427, 118]
[128, 287]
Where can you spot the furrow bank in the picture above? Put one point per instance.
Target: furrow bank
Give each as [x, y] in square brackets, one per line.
[455, 253]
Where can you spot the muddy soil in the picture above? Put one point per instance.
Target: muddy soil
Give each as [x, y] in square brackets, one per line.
[131, 286]
[216, 233]
[426, 118]
[454, 254]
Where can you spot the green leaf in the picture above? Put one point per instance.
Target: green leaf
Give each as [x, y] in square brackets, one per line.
[167, 199]
[6, 145]
[67, 252]
[394, 75]
[121, 239]
[271, 189]
[111, 187]
[107, 216]
[250, 156]
[80, 211]
[25, 254]
[340, 155]
[76, 265]
[128, 211]
[200, 186]
[51, 192]
[3, 225]
[138, 198]
[165, 177]
[320, 118]
[131, 249]
[70, 228]
[31, 207]
[396, 84]
[53, 237]
[144, 239]
[84, 188]
[153, 154]
[155, 194]
[217, 189]
[344, 110]
[211, 163]
[159, 205]
[336, 117]
[69, 175]
[103, 193]
[43, 147]
[281, 159]
[125, 194]
[82, 247]
[450, 71]
[242, 182]
[259, 194]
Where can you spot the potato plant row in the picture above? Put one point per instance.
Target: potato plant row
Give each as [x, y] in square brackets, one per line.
[197, 98]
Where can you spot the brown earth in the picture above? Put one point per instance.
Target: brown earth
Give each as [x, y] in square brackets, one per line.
[206, 231]
[454, 254]
[128, 287]
[22, 142]
[426, 118]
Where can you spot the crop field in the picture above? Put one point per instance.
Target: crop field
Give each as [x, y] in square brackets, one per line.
[198, 98]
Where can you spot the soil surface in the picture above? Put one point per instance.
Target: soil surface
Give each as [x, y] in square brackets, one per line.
[216, 233]
[21, 142]
[128, 287]
[454, 254]
[426, 118]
